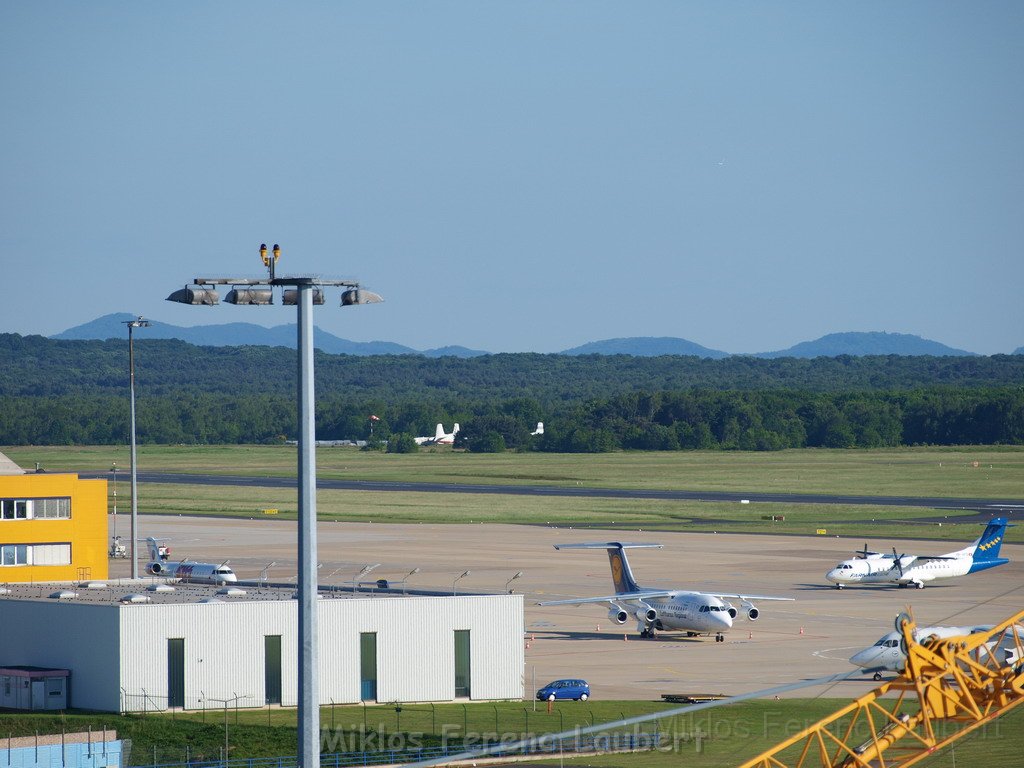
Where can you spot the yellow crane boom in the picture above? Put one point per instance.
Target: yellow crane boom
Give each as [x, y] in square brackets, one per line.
[949, 688]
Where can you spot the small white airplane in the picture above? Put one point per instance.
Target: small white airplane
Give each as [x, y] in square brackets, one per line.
[696, 613]
[539, 430]
[916, 570]
[185, 570]
[888, 652]
[440, 436]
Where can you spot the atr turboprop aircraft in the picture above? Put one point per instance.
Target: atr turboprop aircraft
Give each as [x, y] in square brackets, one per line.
[696, 613]
[917, 570]
[185, 570]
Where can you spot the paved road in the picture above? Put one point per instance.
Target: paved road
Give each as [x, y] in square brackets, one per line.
[935, 502]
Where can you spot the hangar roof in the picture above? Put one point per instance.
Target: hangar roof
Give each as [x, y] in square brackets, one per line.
[150, 591]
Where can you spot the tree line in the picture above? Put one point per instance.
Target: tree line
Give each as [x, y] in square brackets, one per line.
[55, 392]
[662, 420]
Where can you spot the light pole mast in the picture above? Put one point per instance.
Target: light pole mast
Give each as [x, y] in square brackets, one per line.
[304, 292]
[133, 324]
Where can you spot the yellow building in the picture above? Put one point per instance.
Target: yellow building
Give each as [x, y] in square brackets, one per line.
[53, 527]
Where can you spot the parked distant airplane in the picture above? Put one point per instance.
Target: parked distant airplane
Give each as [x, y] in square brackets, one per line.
[904, 570]
[887, 653]
[440, 436]
[185, 570]
[539, 430]
[696, 613]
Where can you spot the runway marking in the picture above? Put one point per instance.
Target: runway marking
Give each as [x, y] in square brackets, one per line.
[823, 654]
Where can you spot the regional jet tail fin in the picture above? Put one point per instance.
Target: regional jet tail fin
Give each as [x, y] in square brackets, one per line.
[154, 548]
[622, 574]
[987, 547]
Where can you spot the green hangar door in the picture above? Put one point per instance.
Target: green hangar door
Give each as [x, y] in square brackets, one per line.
[462, 681]
[272, 668]
[368, 666]
[175, 672]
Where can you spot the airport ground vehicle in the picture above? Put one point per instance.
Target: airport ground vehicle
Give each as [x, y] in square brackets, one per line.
[571, 688]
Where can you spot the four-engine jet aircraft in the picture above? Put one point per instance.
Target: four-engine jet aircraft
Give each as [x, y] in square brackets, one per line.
[916, 570]
[696, 613]
[186, 570]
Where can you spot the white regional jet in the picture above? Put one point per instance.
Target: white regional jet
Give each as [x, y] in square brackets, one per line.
[186, 570]
[905, 570]
[888, 652]
[696, 613]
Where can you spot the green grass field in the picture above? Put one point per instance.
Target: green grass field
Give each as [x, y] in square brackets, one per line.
[988, 472]
[723, 736]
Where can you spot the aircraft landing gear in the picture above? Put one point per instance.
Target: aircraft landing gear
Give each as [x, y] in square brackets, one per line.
[839, 586]
[647, 633]
[719, 638]
[878, 675]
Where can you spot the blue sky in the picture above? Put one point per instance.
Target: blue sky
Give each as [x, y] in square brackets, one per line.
[523, 176]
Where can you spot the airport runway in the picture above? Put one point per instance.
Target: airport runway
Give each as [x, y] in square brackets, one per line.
[937, 502]
[811, 637]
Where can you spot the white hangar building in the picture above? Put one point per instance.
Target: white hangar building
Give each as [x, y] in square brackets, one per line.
[199, 646]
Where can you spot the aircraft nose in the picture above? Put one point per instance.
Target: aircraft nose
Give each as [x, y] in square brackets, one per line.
[866, 658]
[724, 619]
[833, 575]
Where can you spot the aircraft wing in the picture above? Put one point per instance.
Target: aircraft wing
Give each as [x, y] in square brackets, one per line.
[625, 597]
[721, 595]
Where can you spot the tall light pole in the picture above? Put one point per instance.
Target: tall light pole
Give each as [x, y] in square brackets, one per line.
[139, 322]
[516, 576]
[303, 292]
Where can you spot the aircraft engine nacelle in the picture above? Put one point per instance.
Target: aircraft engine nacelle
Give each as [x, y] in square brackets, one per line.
[618, 615]
[156, 568]
[647, 614]
[732, 611]
[753, 613]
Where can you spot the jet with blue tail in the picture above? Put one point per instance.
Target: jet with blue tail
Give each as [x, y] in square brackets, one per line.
[679, 610]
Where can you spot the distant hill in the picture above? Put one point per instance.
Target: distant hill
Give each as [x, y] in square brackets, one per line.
[646, 346]
[855, 344]
[247, 334]
[858, 344]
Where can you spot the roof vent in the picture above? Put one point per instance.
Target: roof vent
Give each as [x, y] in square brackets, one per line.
[160, 588]
[93, 585]
[136, 599]
[231, 591]
[65, 594]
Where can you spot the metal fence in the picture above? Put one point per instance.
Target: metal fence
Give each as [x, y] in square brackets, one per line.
[609, 742]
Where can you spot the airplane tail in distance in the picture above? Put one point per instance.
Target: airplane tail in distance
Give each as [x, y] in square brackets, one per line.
[987, 549]
[455, 429]
[154, 549]
[622, 574]
[438, 432]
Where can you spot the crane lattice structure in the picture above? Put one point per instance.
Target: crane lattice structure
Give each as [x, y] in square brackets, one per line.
[949, 688]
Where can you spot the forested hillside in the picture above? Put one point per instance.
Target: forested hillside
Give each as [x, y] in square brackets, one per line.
[61, 392]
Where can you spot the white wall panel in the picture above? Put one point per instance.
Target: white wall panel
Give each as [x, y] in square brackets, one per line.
[119, 652]
[82, 638]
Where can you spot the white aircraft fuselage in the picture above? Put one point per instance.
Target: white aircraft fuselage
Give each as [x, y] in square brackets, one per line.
[918, 570]
[186, 570]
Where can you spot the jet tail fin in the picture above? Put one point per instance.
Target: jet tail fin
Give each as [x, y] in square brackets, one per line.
[987, 548]
[154, 549]
[622, 574]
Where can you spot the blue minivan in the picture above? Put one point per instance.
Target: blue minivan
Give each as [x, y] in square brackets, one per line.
[578, 690]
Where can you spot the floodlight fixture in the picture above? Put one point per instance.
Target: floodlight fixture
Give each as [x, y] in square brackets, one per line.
[462, 575]
[290, 296]
[196, 295]
[250, 296]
